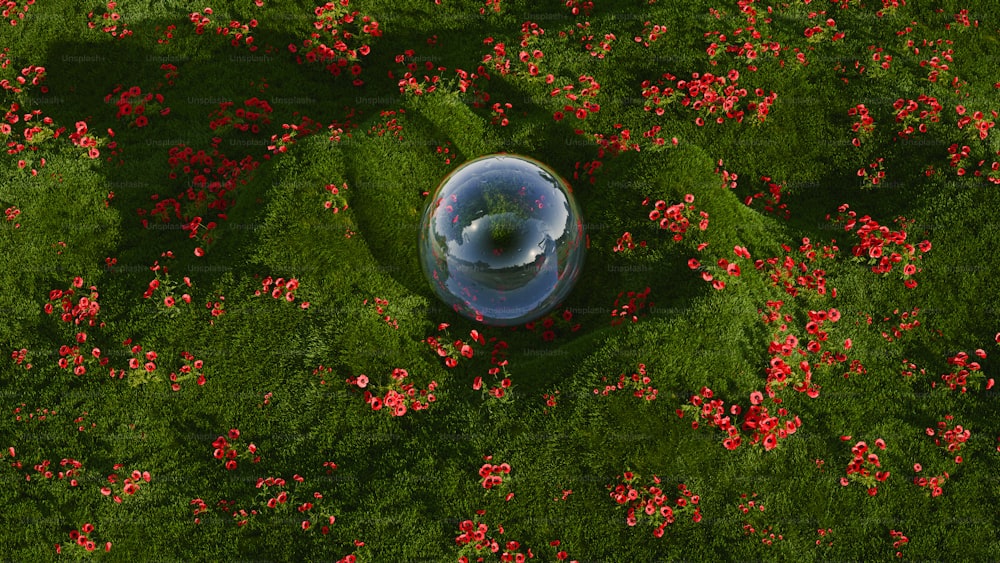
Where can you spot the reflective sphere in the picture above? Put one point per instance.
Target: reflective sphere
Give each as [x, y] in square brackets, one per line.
[500, 240]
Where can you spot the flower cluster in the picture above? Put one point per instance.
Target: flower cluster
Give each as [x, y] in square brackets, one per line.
[254, 113]
[551, 400]
[625, 243]
[752, 509]
[881, 247]
[953, 437]
[72, 470]
[934, 484]
[889, 7]
[226, 449]
[11, 9]
[168, 34]
[239, 32]
[772, 200]
[210, 179]
[816, 33]
[39, 415]
[135, 106]
[677, 218]
[82, 538]
[650, 33]
[38, 129]
[639, 383]
[283, 289]
[899, 540]
[880, 63]
[129, 486]
[345, 29]
[216, 308]
[379, 305]
[296, 132]
[729, 179]
[651, 504]
[85, 309]
[111, 21]
[391, 126]
[619, 143]
[409, 84]
[276, 496]
[397, 394]
[709, 95]
[491, 475]
[908, 322]
[34, 73]
[475, 531]
[794, 276]
[475, 542]
[864, 126]
[502, 391]
[580, 6]
[587, 39]
[140, 371]
[499, 114]
[336, 201]
[577, 102]
[19, 357]
[907, 116]
[959, 377]
[824, 534]
[166, 289]
[630, 309]
[11, 213]
[765, 427]
[780, 373]
[713, 412]
[909, 367]
[456, 350]
[722, 266]
[873, 173]
[748, 49]
[962, 17]
[494, 4]
[863, 465]
[959, 157]
[192, 368]
[978, 121]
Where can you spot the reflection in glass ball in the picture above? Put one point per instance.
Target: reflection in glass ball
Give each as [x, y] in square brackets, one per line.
[500, 240]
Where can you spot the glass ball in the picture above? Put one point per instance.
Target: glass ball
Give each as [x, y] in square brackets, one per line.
[501, 239]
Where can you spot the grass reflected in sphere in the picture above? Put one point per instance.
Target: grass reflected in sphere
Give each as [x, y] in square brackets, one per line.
[501, 240]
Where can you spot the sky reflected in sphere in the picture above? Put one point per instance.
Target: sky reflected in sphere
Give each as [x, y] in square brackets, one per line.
[501, 240]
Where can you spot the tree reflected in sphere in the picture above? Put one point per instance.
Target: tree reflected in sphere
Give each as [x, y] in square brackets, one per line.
[501, 240]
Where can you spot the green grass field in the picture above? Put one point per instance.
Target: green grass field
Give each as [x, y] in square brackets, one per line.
[210, 235]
